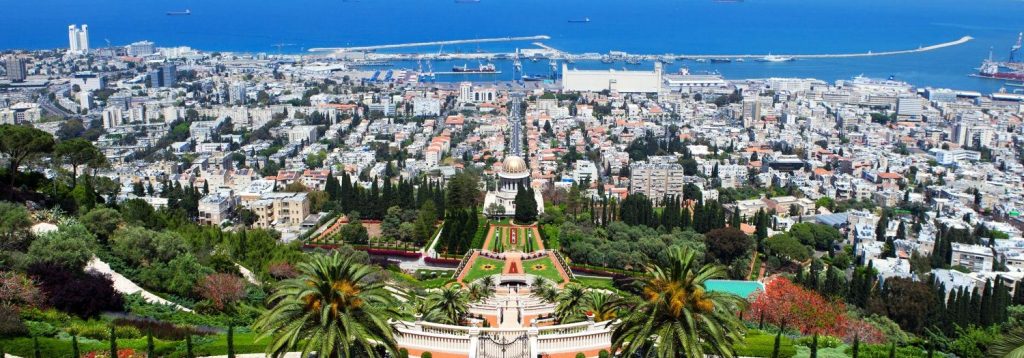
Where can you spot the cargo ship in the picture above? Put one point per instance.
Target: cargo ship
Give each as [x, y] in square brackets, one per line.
[1011, 69]
[482, 68]
[996, 70]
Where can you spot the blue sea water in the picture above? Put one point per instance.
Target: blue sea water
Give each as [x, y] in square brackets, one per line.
[636, 26]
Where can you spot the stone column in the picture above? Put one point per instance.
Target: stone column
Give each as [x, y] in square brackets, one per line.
[474, 341]
[534, 346]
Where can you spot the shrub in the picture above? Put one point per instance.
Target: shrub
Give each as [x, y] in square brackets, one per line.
[40, 329]
[426, 355]
[71, 245]
[281, 270]
[581, 355]
[18, 289]
[603, 354]
[95, 330]
[160, 330]
[76, 292]
[10, 323]
[823, 341]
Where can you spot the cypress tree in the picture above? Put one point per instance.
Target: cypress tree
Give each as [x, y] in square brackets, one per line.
[113, 341]
[188, 346]
[814, 346]
[150, 347]
[231, 341]
[74, 347]
[892, 350]
[856, 345]
[778, 342]
[36, 351]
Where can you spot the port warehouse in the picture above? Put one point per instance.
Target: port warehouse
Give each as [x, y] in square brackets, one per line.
[613, 80]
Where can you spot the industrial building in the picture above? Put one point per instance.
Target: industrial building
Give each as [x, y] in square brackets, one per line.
[612, 80]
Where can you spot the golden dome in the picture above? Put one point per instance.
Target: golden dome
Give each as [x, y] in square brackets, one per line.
[513, 165]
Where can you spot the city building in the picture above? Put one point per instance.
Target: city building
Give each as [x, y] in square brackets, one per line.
[16, 69]
[140, 49]
[78, 39]
[656, 181]
[612, 80]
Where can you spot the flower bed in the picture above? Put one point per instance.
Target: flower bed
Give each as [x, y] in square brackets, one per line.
[441, 261]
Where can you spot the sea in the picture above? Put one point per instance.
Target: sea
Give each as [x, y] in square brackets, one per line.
[635, 26]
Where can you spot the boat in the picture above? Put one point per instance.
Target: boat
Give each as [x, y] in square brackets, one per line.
[482, 68]
[580, 21]
[774, 58]
[466, 1]
[180, 13]
[607, 59]
[720, 60]
[740, 60]
[633, 60]
[994, 70]
[701, 60]
[535, 78]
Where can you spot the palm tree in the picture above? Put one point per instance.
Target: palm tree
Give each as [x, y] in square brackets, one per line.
[542, 289]
[603, 305]
[334, 307]
[678, 317]
[488, 282]
[450, 305]
[570, 303]
[479, 292]
[1011, 346]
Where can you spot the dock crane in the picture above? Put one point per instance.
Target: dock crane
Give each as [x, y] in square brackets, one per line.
[1015, 50]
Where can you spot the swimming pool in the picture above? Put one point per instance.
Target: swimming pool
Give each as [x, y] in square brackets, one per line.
[740, 288]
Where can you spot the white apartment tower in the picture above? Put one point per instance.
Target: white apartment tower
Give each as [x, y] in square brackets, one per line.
[78, 39]
[465, 92]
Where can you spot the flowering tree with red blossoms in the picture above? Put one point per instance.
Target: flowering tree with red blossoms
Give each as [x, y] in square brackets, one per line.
[799, 308]
[221, 289]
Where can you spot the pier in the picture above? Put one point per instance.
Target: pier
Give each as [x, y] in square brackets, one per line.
[557, 54]
[430, 43]
[960, 41]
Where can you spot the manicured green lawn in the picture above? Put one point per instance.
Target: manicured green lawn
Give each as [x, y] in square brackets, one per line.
[547, 269]
[761, 344]
[595, 282]
[202, 346]
[477, 270]
[526, 241]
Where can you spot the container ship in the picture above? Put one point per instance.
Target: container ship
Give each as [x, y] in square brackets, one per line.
[483, 68]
